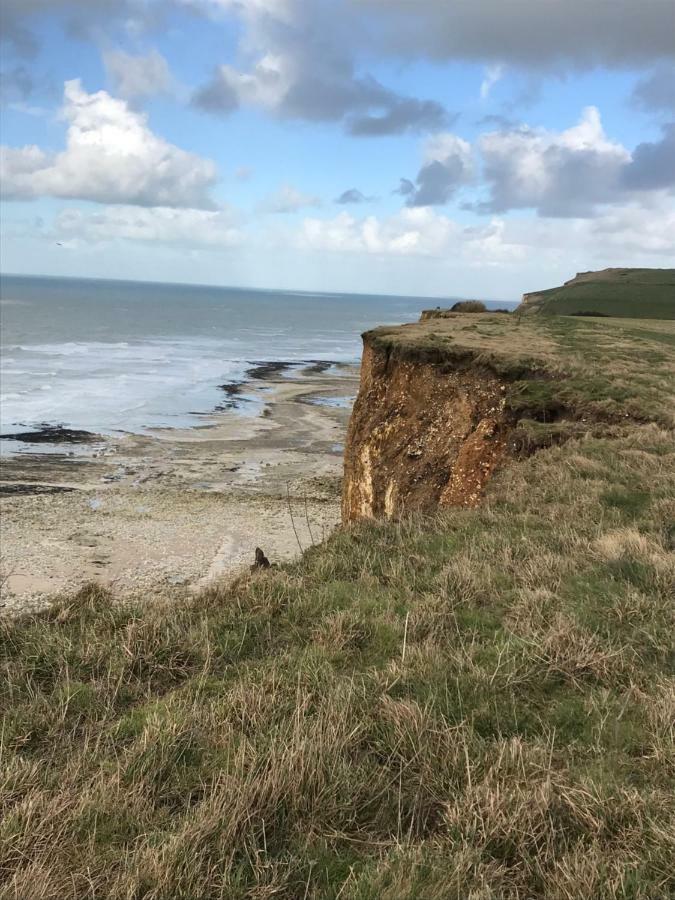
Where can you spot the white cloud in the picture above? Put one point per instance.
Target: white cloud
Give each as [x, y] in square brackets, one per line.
[416, 232]
[646, 228]
[137, 76]
[17, 168]
[185, 227]
[567, 173]
[111, 156]
[632, 234]
[441, 147]
[288, 200]
[416, 251]
[626, 235]
[264, 86]
[493, 74]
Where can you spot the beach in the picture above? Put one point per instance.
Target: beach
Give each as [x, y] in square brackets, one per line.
[180, 506]
[153, 434]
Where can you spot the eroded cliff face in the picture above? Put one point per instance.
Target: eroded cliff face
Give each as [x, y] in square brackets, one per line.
[422, 434]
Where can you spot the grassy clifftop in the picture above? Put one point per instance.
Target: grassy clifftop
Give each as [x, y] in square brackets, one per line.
[579, 369]
[478, 703]
[647, 293]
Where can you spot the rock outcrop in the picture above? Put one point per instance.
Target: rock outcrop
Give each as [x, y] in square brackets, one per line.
[423, 433]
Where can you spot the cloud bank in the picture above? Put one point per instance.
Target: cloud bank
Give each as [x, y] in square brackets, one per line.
[542, 34]
[184, 227]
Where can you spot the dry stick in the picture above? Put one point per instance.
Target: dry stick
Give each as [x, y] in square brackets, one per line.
[400, 790]
[468, 765]
[345, 883]
[309, 527]
[405, 636]
[290, 511]
[312, 863]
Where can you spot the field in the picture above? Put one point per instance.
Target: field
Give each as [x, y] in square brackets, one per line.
[478, 704]
[649, 293]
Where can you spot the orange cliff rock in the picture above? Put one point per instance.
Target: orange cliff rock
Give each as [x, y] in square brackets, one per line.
[422, 434]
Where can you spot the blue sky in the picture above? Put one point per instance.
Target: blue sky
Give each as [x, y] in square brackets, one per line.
[482, 148]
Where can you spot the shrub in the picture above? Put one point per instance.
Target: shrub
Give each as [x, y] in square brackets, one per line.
[469, 306]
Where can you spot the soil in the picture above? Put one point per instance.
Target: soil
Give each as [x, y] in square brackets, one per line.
[421, 436]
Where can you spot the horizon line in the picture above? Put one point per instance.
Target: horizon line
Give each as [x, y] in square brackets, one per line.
[241, 287]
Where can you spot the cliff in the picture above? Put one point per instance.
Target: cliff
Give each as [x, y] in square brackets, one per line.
[442, 403]
[421, 435]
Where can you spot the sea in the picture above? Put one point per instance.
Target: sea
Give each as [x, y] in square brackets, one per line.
[121, 356]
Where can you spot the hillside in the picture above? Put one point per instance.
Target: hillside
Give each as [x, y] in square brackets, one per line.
[474, 702]
[632, 293]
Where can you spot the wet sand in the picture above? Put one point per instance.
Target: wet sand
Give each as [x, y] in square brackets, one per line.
[180, 508]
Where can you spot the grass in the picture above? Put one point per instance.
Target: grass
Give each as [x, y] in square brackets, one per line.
[477, 704]
[647, 293]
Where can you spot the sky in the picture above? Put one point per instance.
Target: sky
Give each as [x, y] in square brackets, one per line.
[430, 147]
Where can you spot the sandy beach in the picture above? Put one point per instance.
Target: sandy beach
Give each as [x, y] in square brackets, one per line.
[139, 512]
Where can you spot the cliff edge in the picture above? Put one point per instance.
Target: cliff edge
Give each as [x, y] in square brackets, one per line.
[443, 402]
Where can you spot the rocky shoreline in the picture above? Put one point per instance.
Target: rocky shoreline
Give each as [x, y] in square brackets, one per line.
[180, 507]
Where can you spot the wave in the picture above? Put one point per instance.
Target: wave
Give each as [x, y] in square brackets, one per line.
[111, 387]
[128, 357]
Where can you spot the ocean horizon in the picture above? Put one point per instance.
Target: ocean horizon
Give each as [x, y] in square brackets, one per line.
[113, 356]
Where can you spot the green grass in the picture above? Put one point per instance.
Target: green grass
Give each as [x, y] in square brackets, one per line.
[631, 293]
[475, 704]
